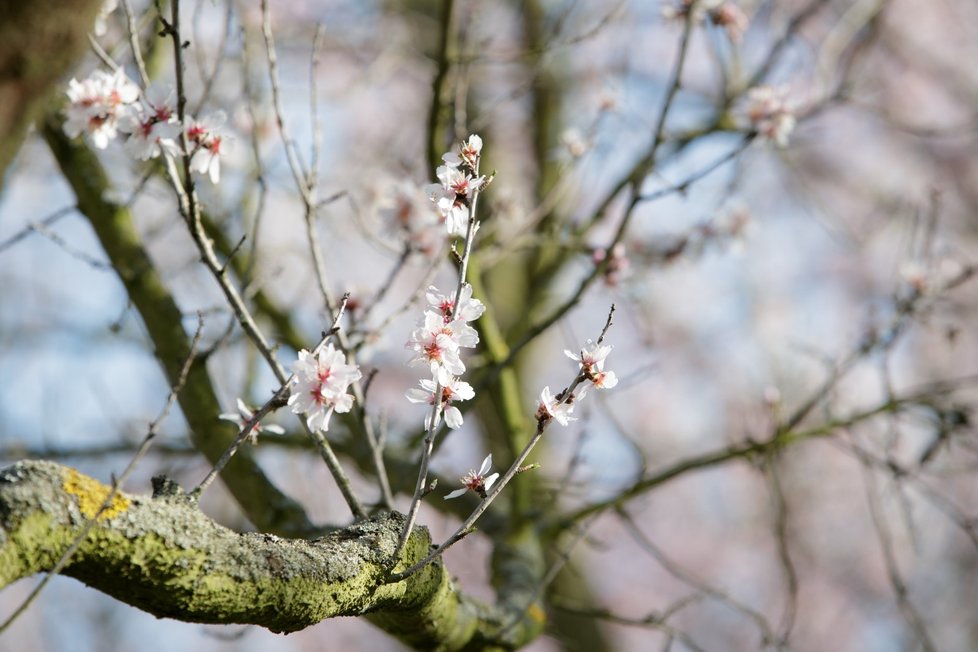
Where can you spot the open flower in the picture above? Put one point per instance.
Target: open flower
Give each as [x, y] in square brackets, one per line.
[243, 416]
[471, 150]
[97, 104]
[476, 481]
[468, 308]
[437, 343]
[452, 389]
[153, 126]
[207, 145]
[559, 410]
[770, 114]
[319, 386]
[591, 361]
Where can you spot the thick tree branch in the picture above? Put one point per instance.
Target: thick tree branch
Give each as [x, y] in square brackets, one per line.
[164, 556]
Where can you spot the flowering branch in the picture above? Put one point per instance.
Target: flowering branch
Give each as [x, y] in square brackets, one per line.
[444, 331]
[551, 408]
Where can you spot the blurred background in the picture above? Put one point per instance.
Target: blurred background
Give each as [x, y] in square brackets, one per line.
[818, 286]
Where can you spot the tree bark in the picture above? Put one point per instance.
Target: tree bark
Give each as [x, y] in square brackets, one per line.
[164, 556]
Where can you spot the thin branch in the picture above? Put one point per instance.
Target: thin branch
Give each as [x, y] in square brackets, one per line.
[117, 482]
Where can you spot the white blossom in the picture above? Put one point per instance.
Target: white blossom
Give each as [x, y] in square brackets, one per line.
[153, 126]
[476, 481]
[97, 103]
[319, 386]
[769, 113]
[591, 361]
[452, 389]
[207, 145]
[468, 308]
[243, 416]
[550, 408]
[437, 342]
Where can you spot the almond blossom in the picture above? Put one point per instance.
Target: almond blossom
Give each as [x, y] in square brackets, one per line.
[97, 103]
[153, 126]
[206, 145]
[591, 361]
[468, 308]
[550, 407]
[319, 385]
[769, 113]
[433, 343]
[476, 481]
[243, 416]
[457, 184]
[451, 388]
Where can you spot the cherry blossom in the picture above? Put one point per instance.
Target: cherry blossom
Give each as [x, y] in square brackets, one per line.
[468, 308]
[769, 113]
[591, 361]
[476, 481]
[437, 342]
[319, 385]
[552, 408]
[452, 389]
[153, 127]
[97, 103]
[731, 18]
[471, 150]
[243, 416]
[457, 185]
[206, 145]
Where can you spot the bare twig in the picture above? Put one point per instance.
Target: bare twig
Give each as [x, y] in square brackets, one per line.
[117, 482]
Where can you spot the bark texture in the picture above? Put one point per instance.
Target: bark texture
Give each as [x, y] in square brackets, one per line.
[164, 556]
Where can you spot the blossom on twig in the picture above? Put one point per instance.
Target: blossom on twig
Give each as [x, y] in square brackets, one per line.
[457, 184]
[243, 416]
[557, 407]
[452, 389]
[591, 361]
[206, 145]
[97, 104]
[319, 385]
[476, 481]
[770, 114]
[152, 125]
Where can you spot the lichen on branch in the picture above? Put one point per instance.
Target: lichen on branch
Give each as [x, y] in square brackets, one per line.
[164, 556]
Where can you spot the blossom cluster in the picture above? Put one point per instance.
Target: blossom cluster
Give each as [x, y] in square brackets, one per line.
[770, 114]
[590, 360]
[319, 385]
[103, 105]
[457, 184]
[437, 342]
[722, 13]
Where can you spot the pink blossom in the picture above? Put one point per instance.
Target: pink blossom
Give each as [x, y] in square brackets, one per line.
[153, 126]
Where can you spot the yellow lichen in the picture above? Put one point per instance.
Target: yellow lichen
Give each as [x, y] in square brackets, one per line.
[91, 494]
[536, 614]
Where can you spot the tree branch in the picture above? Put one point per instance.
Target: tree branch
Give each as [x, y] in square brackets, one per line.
[164, 556]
